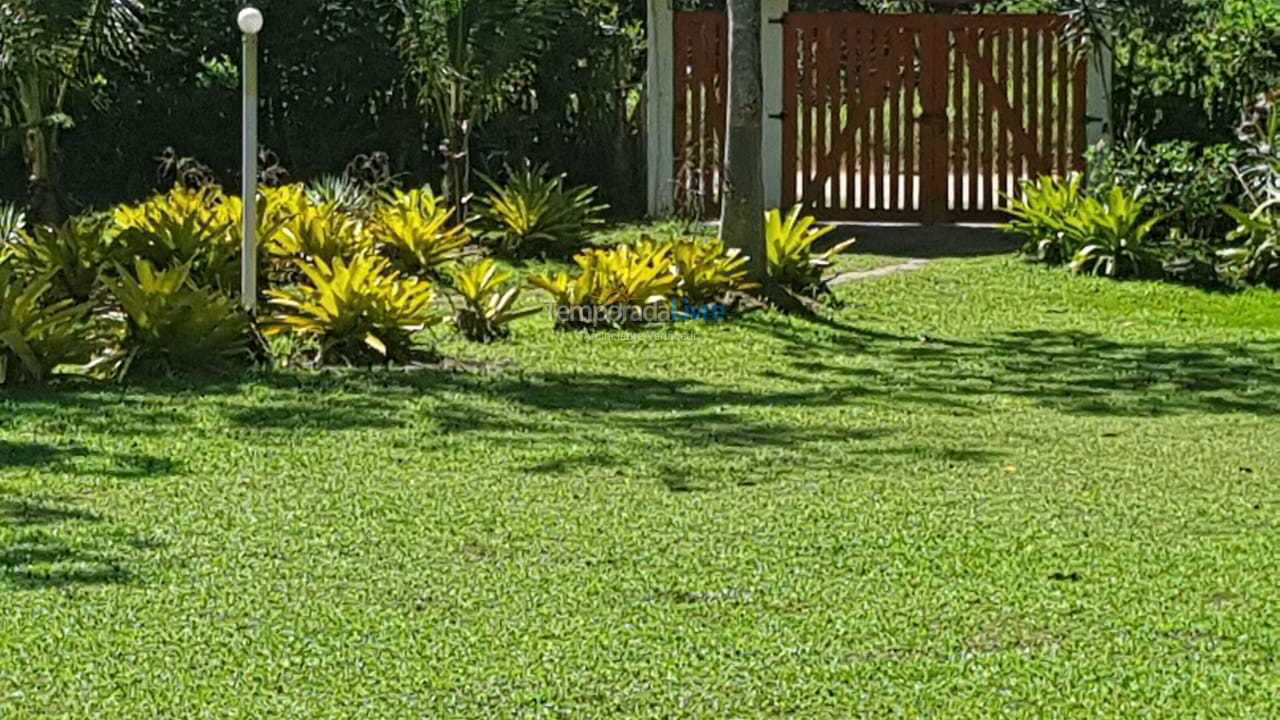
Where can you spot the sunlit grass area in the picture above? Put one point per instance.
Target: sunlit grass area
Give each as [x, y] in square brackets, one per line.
[977, 488]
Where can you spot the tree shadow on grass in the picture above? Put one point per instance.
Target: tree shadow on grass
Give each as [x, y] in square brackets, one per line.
[567, 422]
[1069, 371]
[38, 557]
[77, 460]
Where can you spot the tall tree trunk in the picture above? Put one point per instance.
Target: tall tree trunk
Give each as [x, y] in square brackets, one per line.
[456, 150]
[46, 203]
[742, 189]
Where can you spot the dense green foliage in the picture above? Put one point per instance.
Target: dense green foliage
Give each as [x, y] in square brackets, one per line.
[1184, 183]
[72, 255]
[1253, 257]
[1057, 499]
[339, 81]
[1111, 235]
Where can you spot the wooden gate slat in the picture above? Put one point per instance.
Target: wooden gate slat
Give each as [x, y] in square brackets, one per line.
[987, 191]
[895, 114]
[1033, 99]
[831, 107]
[957, 126]
[806, 136]
[910, 121]
[974, 132]
[819, 118]
[706, 68]
[1079, 110]
[1064, 95]
[849, 136]
[1002, 152]
[1019, 43]
[878, 96]
[866, 37]
[1047, 122]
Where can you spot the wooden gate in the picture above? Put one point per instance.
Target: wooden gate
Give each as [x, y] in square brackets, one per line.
[701, 96]
[927, 118]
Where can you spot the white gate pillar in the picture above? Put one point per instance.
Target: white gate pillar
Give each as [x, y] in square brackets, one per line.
[660, 80]
[1101, 91]
[772, 60]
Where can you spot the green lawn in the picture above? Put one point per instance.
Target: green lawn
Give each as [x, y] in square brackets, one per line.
[983, 488]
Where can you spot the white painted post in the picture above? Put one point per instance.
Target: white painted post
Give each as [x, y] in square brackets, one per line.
[772, 60]
[250, 22]
[660, 110]
[1101, 90]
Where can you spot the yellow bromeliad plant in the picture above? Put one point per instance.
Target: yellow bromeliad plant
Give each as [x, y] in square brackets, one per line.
[183, 227]
[488, 301]
[357, 310]
[38, 335]
[707, 271]
[169, 323]
[623, 276]
[416, 230]
[793, 264]
[314, 232]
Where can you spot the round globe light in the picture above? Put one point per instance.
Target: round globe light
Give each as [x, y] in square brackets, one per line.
[250, 21]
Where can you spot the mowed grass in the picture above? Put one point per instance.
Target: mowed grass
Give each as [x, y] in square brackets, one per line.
[980, 489]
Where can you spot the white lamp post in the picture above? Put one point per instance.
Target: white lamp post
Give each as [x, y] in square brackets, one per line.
[250, 22]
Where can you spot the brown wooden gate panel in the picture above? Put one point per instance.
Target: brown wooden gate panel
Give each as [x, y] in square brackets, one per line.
[853, 90]
[701, 94]
[1017, 109]
[927, 118]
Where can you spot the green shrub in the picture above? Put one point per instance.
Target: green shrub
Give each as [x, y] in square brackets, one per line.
[36, 337]
[1185, 183]
[793, 263]
[1259, 164]
[1040, 215]
[1112, 235]
[534, 212]
[172, 325]
[72, 255]
[1191, 261]
[488, 301]
[359, 310]
[1254, 255]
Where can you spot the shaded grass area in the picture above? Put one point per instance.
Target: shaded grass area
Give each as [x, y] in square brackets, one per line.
[978, 488]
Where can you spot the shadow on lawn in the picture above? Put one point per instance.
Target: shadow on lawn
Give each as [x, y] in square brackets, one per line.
[1069, 371]
[702, 433]
[76, 460]
[39, 558]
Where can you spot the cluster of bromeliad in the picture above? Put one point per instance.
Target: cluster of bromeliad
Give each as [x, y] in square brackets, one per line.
[354, 277]
[1207, 216]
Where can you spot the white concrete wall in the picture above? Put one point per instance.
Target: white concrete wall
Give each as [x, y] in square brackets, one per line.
[660, 111]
